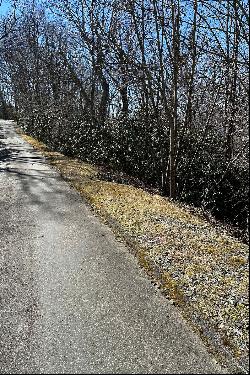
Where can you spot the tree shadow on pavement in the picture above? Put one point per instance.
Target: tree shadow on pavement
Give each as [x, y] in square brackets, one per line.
[40, 185]
[5, 153]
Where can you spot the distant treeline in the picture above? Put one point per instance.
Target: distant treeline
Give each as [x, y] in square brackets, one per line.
[157, 89]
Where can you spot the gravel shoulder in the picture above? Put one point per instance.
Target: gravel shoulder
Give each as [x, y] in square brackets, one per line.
[197, 265]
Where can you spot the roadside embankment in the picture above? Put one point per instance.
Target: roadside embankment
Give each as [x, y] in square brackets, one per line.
[199, 266]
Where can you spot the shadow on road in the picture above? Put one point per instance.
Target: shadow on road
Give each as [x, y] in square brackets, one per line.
[32, 175]
[5, 153]
[11, 152]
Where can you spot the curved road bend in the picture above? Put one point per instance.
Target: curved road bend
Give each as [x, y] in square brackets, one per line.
[73, 299]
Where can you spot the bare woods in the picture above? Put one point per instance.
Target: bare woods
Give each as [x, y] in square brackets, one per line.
[155, 88]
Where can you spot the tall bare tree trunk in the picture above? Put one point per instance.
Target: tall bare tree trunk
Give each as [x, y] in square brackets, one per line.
[173, 126]
[233, 93]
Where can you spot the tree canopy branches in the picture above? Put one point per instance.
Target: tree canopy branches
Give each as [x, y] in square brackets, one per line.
[157, 88]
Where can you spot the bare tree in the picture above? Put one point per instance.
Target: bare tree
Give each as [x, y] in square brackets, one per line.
[155, 88]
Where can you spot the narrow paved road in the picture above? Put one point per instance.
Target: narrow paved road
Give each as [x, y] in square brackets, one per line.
[73, 299]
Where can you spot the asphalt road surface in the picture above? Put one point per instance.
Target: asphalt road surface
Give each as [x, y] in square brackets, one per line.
[72, 298]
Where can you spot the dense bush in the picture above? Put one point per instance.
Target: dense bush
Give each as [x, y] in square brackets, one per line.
[157, 90]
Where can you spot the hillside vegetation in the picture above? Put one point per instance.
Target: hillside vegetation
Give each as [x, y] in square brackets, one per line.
[196, 264]
[154, 89]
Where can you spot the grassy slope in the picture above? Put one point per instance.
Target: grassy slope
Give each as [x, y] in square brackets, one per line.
[197, 265]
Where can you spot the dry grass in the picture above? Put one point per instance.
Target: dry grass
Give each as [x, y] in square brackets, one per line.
[200, 267]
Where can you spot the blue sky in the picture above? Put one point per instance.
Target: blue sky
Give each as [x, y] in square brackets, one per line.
[5, 6]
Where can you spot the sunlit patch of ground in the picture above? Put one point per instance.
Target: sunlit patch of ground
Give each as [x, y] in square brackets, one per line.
[197, 265]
